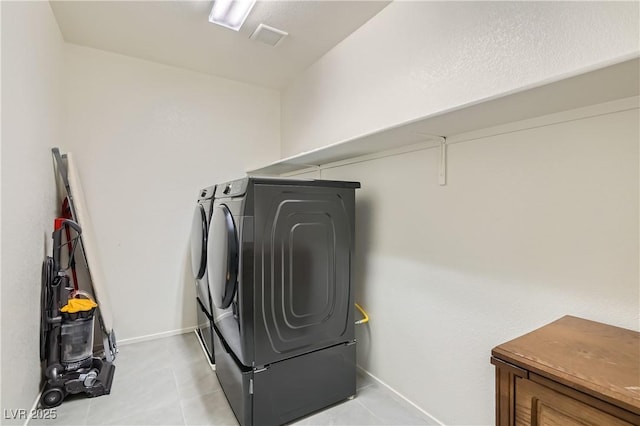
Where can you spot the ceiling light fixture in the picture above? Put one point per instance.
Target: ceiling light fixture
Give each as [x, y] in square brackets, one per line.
[230, 13]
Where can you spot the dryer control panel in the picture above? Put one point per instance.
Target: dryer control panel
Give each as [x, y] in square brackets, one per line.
[234, 188]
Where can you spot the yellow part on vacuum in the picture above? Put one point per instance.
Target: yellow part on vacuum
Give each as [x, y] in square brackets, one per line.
[78, 305]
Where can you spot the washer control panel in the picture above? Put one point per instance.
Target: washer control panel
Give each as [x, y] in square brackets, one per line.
[207, 193]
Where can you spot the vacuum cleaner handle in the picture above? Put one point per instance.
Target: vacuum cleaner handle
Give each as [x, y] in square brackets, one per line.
[61, 221]
[59, 225]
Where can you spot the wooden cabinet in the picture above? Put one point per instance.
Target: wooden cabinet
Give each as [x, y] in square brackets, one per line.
[570, 372]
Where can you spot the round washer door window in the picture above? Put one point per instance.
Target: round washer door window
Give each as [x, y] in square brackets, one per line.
[199, 242]
[222, 257]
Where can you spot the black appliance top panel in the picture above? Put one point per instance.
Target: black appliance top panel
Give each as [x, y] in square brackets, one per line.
[238, 187]
[206, 193]
[304, 182]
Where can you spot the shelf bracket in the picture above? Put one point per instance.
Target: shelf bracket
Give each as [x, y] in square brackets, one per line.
[442, 166]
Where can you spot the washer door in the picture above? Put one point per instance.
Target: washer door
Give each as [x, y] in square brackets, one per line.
[222, 257]
[199, 242]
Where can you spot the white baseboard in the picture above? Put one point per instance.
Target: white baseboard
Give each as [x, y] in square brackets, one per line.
[148, 337]
[34, 407]
[404, 398]
[139, 339]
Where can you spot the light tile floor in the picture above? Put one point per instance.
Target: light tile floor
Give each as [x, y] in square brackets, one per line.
[169, 382]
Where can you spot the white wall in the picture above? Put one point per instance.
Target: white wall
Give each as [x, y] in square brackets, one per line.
[414, 59]
[531, 226]
[31, 122]
[146, 138]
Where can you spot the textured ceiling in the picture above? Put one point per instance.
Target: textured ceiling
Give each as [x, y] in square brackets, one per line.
[178, 33]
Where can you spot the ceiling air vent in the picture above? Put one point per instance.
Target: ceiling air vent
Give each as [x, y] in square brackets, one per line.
[268, 35]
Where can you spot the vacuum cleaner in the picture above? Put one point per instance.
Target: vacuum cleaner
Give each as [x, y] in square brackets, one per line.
[67, 328]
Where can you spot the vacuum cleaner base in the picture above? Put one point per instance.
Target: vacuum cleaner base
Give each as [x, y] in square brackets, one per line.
[93, 381]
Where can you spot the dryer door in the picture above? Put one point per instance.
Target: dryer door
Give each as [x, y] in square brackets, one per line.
[222, 256]
[199, 255]
[199, 242]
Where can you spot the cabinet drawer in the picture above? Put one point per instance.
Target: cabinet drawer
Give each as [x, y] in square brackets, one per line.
[540, 405]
